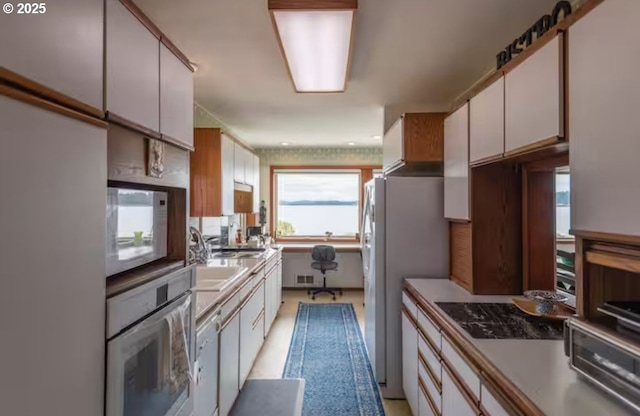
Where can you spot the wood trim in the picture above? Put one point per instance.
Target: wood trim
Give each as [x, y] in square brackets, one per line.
[142, 17]
[426, 338]
[427, 395]
[114, 118]
[255, 321]
[312, 5]
[41, 91]
[518, 399]
[581, 285]
[457, 220]
[427, 367]
[234, 312]
[616, 261]
[486, 160]
[410, 317]
[474, 367]
[176, 52]
[497, 393]
[533, 146]
[607, 237]
[50, 106]
[625, 251]
[464, 390]
[176, 142]
[237, 141]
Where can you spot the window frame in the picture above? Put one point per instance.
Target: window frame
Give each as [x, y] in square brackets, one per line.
[365, 174]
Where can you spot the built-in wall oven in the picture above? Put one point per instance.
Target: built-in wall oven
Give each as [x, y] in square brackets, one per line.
[136, 228]
[150, 348]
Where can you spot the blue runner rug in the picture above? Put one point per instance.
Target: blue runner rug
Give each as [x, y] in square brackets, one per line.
[328, 351]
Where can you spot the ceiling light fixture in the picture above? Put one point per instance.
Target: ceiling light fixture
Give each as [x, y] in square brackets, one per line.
[376, 137]
[285, 143]
[316, 39]
[351, 143]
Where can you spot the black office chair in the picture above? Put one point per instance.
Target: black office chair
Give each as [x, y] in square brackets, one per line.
[324, 257]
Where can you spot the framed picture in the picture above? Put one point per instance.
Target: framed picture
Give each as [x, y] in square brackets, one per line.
[155, 156]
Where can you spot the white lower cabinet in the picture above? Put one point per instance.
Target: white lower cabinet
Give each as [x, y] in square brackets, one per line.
[453, 400]
[410, 362]
[424, 406]
[229, 364]
[206, 397]
[490, 403]
[251, 331]
[468, 374]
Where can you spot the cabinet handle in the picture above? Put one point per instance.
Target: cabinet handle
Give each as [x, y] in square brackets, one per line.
[430, 400]
[255, 322]
[499, 395]
[430, 373]
[409, 316]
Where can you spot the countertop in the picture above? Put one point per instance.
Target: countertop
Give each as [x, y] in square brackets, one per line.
[538, 368]
[210, 301]
[306, 247]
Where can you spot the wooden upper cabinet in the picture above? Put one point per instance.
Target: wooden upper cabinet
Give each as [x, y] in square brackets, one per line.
[133, 70]
[414, 138]
[534, 108]
[456, 164]
[211, 190]
[176, 98]
[486, 123]
[604, 94]
[61, 50]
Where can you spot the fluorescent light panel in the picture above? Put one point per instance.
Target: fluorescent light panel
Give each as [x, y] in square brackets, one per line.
[316, 46]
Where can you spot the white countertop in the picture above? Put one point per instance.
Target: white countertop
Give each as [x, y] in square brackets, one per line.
[538, 368]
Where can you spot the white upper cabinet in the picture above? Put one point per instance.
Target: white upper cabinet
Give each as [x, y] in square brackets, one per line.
[534, 98]
[133, 71]
[604, 97]
[456, 164]
[227, 149]
[248, 167]
[256, 183]
[238, 164]
[244, 166]
[393, 145]
[176, 98]
[486, 129]
[62, 49]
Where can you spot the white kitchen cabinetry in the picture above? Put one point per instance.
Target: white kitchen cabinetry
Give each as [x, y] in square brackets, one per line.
[410, 362]
[206, 397]
[238, 163]
[256, 183]
[423, 404]
[534, 98]
[453, 400]
[61, 161]
[229, 364]
[251, 330]
[227, 149]
[486, 123]
[456, 164]
[490, 403]
[393, 145]
[248, 167]
[61, 50]
[604, 94]
[176, 98]
[132, 68]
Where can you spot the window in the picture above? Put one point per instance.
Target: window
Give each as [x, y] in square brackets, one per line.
[317, 203]
[563, 208]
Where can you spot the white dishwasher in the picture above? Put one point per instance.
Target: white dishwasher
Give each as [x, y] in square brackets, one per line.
[206, 397]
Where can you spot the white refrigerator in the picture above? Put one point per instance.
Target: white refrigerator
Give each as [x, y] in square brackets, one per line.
[404, 233]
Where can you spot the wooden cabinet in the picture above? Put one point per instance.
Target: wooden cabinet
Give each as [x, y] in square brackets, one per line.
[211, 177]
[132, 68]
[229, 364]
[486, 123]
[410, 361]
[61, 50]
[251, 330]
[176, 98]
[534, 107]
[456, 164]
[603, 122]
[415, 138]
[256, 184]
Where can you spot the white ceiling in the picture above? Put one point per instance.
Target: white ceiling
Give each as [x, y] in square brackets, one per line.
[409, 55]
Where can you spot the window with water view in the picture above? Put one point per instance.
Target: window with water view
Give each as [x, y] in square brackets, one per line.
[312, 204]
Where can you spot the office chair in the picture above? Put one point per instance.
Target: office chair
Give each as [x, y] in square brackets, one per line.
[324, 256]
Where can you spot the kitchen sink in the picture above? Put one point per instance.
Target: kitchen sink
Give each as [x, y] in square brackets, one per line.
[215, 278]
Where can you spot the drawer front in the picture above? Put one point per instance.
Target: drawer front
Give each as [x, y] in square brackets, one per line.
[454, 402]
[490, 404]
[229, 306]
[431, 329]
[432, 360]
[412, 307]
[424, 408]
[469, 376]
[431, 387]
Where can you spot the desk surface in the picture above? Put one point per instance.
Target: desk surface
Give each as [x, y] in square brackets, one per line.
[306, 247]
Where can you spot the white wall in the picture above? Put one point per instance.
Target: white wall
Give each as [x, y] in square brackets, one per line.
[348, 275]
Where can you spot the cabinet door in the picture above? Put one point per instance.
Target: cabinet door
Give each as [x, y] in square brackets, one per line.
[279, 284]
[176, 98]
[486, 123]
[256, 184]
[133, 68]
[453, 400]
[228, 151]
[269, 301]
[410, 362]
[489, 402]
[206, 397]
[456, 164]
[238, 163]
[393, 145]
[534, 98]
[604, 94]
[423, 405]
[249, 331]
[248, 167]
[62, 50]
[229, 364]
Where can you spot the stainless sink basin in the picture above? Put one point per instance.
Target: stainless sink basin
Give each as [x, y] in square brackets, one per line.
[216, 278]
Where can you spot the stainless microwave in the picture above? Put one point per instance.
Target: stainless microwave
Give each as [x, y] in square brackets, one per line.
[136, 228]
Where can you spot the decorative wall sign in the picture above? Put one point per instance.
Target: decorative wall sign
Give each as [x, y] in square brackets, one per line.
[542, 26]
[155, 156]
